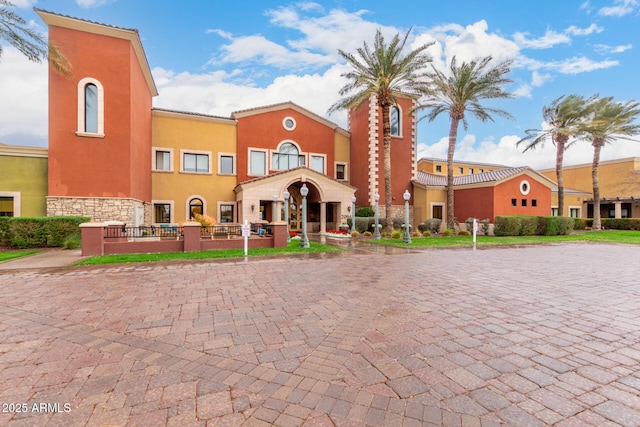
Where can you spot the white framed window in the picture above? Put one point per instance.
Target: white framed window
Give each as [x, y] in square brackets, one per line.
[341, 171]
[395, 117]
[257, 162]
[226, 164]
[196, 204]
[162, 211]
[192, 161]
[289, 123]
[226, 212]
[437, 210]
[10, 203]
[554, 211]
[525, 187]
[461, 171]
[288, 156]
[162, 159]
[317, 162]
[575, 211]
[438, 168]
[90, 108]
[470, 171]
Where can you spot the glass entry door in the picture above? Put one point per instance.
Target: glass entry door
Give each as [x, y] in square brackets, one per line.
[295, 209]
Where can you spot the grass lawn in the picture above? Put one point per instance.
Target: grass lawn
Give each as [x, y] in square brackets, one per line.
[609, 236]
[292, 248]
[6, 256]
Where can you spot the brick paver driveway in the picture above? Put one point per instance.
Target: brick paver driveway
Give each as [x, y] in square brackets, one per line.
[532, 336]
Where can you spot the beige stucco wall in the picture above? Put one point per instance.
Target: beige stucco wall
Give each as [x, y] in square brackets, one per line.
[193, 133]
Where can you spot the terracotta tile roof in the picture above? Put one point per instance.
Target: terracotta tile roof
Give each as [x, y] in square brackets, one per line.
[463, 162]
[37, 9]
[190, 113]
[430, 179]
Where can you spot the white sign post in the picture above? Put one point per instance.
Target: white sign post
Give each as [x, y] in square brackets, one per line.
[246, 232]
[475, 230]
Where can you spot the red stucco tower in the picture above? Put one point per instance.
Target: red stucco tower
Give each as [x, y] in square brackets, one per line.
[367, 154]
[99, 123]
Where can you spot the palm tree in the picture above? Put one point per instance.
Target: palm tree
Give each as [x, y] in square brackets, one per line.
[14, 30]
[383, 71]
[461, 92]
[564, 116]
[608, 121]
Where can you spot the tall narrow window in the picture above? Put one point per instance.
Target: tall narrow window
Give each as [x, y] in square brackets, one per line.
[90, 108]
[195, 207]
[257, 163]
[226, 213]
[394, 117]
[317, 163]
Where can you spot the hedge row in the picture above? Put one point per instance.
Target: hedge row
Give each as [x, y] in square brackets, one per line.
[532, 225]
[609, 223]
[22, 232]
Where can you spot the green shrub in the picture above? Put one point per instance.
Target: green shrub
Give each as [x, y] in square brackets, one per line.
[432, 225]
[485, 226]
[396, 234]
[507, 226]
[554, 225]
[416, 234]
[464, 233]
[24, 232]
[397, 223]
[365, 211]
[621, 223]
[426, 233]
[528, 225]
[579, 223]
[355, 233]
[447, 232]
[362, 224]
[71, 242]
[469, 225]
[367, 234]
[4, 231]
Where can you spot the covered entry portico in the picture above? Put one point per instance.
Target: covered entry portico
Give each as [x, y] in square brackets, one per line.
[328, 201]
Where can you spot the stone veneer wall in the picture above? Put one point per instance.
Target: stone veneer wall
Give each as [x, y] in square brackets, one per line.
[397, 211]
[100, 209]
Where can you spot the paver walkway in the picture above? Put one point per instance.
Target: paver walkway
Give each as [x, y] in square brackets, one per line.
[533, 336]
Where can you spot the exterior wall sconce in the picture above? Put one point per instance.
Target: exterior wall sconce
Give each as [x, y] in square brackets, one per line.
[253, 207]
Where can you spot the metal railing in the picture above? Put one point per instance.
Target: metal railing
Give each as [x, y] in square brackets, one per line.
[176, 232]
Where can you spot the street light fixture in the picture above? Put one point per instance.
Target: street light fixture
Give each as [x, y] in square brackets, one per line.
[407, 236]
[353, 213]
[376, 232]
[275, 206]
[286, 195]
[304, 242]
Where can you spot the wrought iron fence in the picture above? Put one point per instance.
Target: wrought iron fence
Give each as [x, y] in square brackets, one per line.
[174, 231]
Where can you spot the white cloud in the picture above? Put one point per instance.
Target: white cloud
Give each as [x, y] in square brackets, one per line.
[604, 49]
[550, 39]
[505, 152]
[576, 31]
[93, 3]
[538, 79]
[620, 8]
[23, 4]
[24, 83]
[523, 91]
[580, 65]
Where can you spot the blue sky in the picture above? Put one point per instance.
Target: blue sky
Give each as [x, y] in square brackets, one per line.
[217, 57]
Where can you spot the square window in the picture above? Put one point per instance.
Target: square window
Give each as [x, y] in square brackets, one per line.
[226, 213]
[341, 171]
[6, 206]
[524, 202]
[317, 163]
[480, 170]
[438, 168]
[514, 202]
[534, 203]
[554, 211]
[460, 171]
[226, 165]
[257, 163]
[163, 160]
[162, 213]
[470, 171]
[574, 212]
[193, 162]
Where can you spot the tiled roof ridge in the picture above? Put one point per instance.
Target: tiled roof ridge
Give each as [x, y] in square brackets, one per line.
[37, 9]
[190, 113]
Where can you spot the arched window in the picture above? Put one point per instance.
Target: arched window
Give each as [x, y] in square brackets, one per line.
[287, 157]
[90, 108]
[195, 207]
[394, 118]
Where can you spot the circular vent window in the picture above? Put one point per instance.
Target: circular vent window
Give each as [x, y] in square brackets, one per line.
[525, 187]
[289, 123]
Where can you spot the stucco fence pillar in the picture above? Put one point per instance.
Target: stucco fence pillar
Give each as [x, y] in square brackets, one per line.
[92, 235]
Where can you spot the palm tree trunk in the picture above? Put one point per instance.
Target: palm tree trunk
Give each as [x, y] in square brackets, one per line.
[453, 136]
[597, 146]
[386, 137]
[560, 181]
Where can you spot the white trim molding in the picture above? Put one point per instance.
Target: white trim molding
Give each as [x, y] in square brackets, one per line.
[17, 201]
[81, 108]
